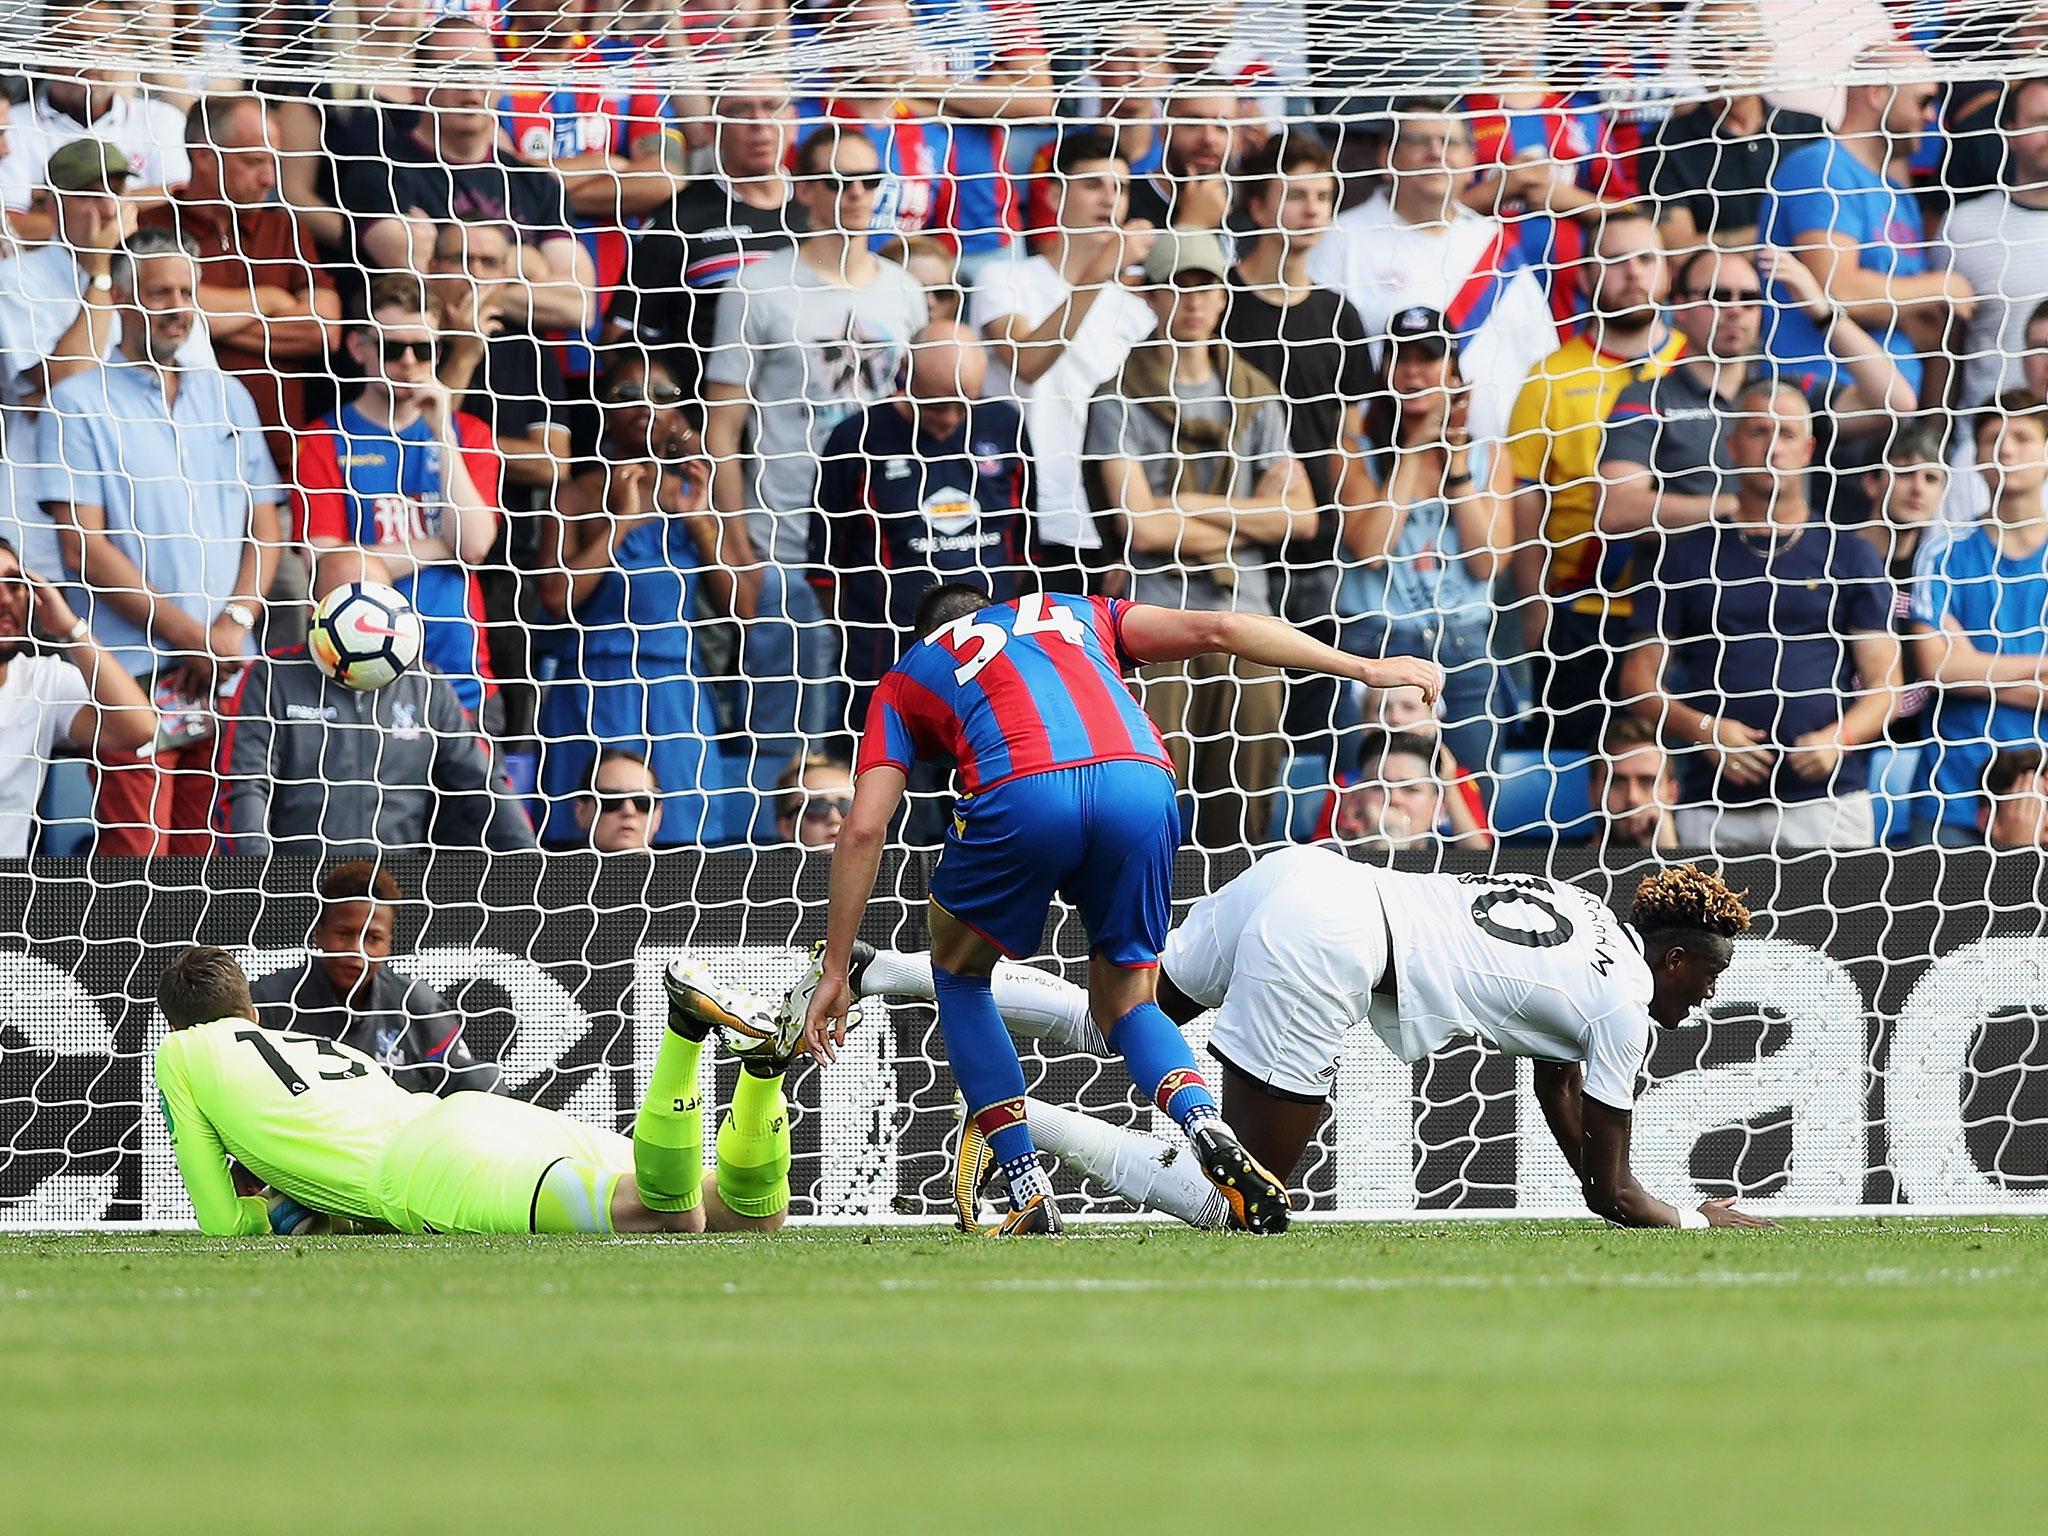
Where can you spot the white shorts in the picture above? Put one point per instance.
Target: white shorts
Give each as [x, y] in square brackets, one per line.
[1289, 958]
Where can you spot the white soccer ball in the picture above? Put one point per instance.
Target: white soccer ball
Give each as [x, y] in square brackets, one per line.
[365, 634]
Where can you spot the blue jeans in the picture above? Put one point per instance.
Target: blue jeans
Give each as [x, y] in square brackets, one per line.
[788, 665]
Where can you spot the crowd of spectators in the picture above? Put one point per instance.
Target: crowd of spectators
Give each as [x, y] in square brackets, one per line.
[1704, 443]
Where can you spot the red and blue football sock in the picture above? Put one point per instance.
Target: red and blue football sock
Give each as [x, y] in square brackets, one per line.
[1162, 1065]
[991, 1079]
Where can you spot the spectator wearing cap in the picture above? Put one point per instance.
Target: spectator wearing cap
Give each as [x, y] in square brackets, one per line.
[347, 990]
[57, 319]
[620, 808]
[1980, 625]
[1310, 342]
[1060, 324]
[165, 500]
[1189, 460]
[271, 308]
[2000, 241]
[932, 484]
[2016, 799]
[1633, 789]
[1836, 206]
[1191, 189]
[631, 565]
[1414, 244]
[1573, 586]
[1764, 652]
[76, 99]
[1664, 462]
[813, 796]
[1429, 544]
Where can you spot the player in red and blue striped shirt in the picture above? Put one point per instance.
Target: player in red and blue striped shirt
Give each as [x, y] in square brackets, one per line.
[1066, 789]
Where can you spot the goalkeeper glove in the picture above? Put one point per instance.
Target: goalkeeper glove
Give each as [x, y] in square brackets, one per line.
[288, 1218]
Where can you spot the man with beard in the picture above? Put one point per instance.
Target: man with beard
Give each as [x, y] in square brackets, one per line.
[1574, 587]
[346, 991]
[80, 695]
[1192, 189]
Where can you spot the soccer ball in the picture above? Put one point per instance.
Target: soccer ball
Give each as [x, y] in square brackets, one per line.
[365, 634]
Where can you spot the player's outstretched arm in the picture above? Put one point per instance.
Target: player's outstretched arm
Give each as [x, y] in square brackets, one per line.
[1174, 634]
[1612, 1191]
[856, 859]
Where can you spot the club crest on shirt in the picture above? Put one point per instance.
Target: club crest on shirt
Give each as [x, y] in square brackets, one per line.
[405, 721]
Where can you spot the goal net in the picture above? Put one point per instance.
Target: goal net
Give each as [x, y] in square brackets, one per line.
[1673, 375]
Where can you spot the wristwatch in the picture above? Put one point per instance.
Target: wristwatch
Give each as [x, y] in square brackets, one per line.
[241, 613]
[102, 283]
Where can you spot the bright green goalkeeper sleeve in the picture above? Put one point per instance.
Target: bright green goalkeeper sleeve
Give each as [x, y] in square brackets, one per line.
[202, 1160]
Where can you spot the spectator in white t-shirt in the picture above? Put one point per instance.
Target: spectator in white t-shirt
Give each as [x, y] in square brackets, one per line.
[80, 695]
[2001, 245]
[1968, 501]
[74, 100]
[1060, 325]
[1414, 244]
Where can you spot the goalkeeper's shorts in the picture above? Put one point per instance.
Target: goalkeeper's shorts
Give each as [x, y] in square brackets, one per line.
[474, 1163]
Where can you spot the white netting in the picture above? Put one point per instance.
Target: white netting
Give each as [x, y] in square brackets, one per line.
[540, 314]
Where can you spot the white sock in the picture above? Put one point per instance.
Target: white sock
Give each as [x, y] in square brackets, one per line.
[1152, 1174]
[1033, 1003]
[1042, 1006]
[893, 973]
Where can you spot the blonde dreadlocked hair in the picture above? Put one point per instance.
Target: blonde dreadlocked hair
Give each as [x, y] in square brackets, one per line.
[1687, 899]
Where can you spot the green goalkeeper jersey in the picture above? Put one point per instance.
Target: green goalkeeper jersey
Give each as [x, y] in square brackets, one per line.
[310, 1117]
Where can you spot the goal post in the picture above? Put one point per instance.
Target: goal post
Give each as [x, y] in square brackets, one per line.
[553, 316]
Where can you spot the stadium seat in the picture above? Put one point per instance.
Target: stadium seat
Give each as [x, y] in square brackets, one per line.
[1304, 789]
[1539, 799]
[66, 811]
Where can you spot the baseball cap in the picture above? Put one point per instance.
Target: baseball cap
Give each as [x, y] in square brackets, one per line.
[1425, 329]
[1175, 251]
[86, 165]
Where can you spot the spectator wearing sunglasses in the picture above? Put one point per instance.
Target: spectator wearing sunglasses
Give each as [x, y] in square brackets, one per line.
[619, 810]
[631, 564]
[401, 473]
[1665, 464]
[812, 798]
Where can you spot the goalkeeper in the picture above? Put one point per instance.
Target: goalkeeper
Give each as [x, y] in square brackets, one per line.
[1306, 943]
[333, 1136]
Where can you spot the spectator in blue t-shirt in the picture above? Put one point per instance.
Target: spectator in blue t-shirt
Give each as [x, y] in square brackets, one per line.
[1764, 650]
[932, 484]
[1837, 205]
[1980, 625]
[401, 472]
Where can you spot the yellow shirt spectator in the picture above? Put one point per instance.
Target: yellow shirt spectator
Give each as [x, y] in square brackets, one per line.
[1555, 433]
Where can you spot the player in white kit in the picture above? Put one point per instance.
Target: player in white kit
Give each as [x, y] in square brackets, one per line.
[1306, 943]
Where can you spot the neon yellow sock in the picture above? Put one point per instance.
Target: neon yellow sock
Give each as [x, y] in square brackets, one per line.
[753, 1148]
[668, 1133]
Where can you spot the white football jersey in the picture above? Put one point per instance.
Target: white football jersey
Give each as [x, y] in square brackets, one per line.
[1531, 966]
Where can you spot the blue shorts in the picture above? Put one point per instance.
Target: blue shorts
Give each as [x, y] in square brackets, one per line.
[1103, 836]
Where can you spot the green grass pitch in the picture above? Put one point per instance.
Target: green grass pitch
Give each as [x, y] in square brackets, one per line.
[1866, 1376]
